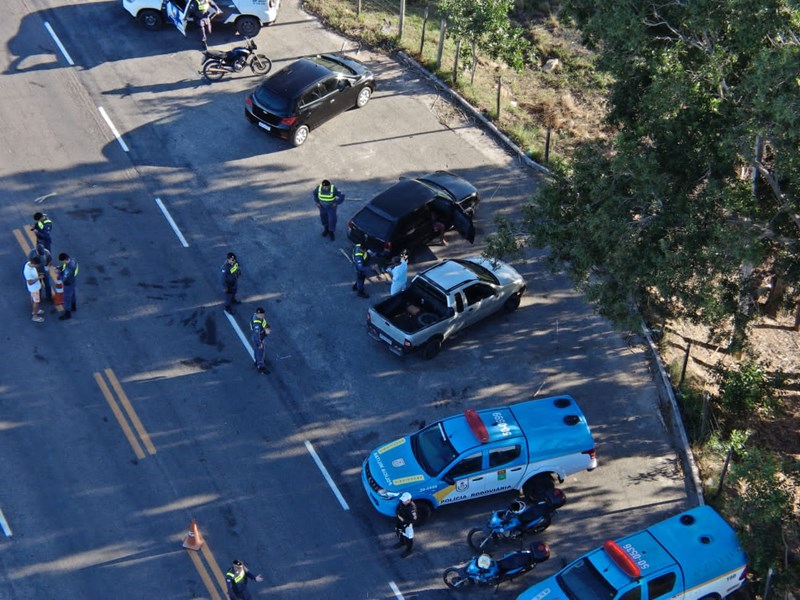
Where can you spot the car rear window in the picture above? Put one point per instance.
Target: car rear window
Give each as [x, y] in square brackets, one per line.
[373, 224]
[334, 66]
[271, 101]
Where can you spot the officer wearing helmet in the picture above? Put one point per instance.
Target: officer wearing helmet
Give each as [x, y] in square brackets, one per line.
[404, 521]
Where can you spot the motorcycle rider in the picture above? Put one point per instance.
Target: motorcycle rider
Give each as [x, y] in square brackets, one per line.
[405, 517]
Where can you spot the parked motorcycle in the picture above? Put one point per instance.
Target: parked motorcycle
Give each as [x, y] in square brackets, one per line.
[216, 63]
[484, 570]
[515, 521]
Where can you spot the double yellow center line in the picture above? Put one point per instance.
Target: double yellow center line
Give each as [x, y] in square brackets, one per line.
[123, 422]
[206, 576]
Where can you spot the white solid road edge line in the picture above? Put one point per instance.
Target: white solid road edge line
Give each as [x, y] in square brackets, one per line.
[242, 338]
[113, 129]
[326, 475]
[172, 223]
[4, 524]
[53, 35]
[396, 590]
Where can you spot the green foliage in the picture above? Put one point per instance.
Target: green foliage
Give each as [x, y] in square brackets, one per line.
[762, 505]
[486, 25]
[745, 389]
[506, 242]
[662, 215]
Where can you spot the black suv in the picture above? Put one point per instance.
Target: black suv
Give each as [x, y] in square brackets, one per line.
[406, 215]
[307, 93]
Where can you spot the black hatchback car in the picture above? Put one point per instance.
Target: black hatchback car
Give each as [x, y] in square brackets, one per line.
[307, 93]
[406, 215]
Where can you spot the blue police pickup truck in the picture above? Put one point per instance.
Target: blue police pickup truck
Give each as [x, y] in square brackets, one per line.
[692, 555]
[519, 447]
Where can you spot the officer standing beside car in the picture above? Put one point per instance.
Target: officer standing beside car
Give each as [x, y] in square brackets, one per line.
[327, 198]
[360, 258]
[404, 521]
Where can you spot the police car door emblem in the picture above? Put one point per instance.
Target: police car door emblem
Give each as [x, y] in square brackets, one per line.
[462, 485]
[398, 462]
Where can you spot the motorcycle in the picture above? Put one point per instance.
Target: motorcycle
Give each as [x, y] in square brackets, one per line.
[216, 64]
[515, 521]
[484, 570]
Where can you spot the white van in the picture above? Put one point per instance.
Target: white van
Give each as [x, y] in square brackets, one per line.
[248, 16]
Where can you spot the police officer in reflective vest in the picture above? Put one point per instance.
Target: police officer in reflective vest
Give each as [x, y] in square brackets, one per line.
[45, 260]
[360, 258]
[229, 278]
[236, 580]
[42, 226]
[260, 330]
[327, 198]
[67, 275]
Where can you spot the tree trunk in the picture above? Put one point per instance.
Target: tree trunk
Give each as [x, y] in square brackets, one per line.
[455, 62]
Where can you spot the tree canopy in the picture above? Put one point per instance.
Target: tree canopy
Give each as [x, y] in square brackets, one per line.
[693, 205]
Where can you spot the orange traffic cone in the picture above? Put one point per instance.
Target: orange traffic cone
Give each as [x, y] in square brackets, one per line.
[193, 540]
[58, 291]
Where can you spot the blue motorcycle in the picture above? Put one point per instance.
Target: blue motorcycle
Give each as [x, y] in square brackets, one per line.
[484, 570]
[517, 520]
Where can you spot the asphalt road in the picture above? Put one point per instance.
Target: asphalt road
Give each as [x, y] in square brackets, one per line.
[94, 509]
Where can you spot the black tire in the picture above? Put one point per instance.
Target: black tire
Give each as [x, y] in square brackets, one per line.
[213, 70]
[455, 578]
[432, 348]
[711, 597]
[248, 26]
[482, 540]
[150, 19]
[261, 64]
[363, 97]
[424, 512]
[536, 487]
[299, 136]
[512, 303]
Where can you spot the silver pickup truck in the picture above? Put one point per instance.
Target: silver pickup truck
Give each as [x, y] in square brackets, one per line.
[443, 300]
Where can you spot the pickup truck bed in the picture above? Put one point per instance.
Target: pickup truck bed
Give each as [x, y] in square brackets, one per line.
[412, 310]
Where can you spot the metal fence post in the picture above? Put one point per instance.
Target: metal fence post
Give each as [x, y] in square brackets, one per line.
[442, 32]
[402, 19]
[424, 27]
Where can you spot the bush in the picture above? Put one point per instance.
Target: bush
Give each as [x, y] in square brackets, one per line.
[745, 389]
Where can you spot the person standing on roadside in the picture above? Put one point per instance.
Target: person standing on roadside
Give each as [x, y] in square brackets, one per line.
[399, 274]
[405, 517]
[236, 581]
[260, 330]
[67, 275]
[31, 273]
[230, 281]
[327, 198]
[45, 260]
[42, 228]
[360, 259]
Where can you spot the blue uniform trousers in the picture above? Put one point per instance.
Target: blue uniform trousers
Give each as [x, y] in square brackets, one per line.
[70, 297]
[327, 215]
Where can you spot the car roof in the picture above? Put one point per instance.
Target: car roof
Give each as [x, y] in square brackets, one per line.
[449, 275]
[500, 424]
[291, 80]
[402, 198]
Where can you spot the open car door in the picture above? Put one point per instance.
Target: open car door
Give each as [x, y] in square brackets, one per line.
[178, 13]
[462, 223]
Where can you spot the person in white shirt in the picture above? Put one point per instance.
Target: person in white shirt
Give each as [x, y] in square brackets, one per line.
[399, 273]
[31, 273]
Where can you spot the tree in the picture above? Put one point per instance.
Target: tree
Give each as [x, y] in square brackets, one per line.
[486, 25]
[697, 198]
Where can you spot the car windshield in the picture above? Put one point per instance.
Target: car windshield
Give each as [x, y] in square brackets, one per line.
[582, 581]
[333, 65]
[272, 101]
[432, 449]
[373, 224]
[480, 271]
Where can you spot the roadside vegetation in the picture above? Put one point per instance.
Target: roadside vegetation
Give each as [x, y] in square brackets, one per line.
[674, 201]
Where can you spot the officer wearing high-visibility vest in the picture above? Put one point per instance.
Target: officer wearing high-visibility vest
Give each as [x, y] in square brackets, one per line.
[42, 227]
[236, 580]
[260, 330]
[229, 279]
[360, 259]
[327, 198]
[67, 275]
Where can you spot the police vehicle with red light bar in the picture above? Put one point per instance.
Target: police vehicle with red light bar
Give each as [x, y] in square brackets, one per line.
[519, 447]
[692, 555]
